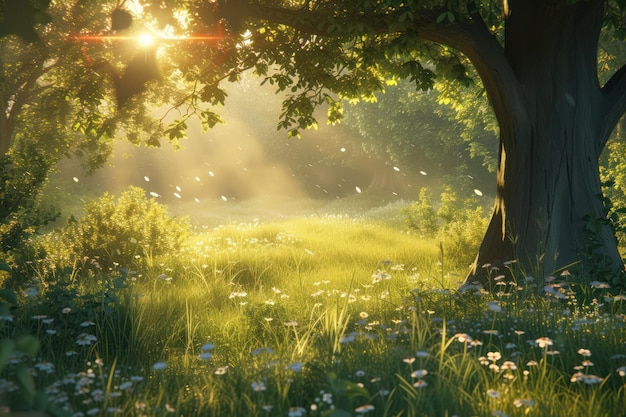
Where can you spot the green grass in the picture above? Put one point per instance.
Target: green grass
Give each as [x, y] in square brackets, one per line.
[324, 314]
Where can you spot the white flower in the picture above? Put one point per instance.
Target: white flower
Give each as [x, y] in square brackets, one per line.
[159, 366]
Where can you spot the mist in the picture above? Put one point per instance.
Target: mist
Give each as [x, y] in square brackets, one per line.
[247, 159]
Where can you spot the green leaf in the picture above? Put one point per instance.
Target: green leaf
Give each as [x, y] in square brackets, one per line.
[28, 344]
[8, 295]
[7, 346]
[5, 267]
[26, 382]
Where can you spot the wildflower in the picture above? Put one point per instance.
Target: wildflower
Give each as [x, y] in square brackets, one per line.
[140, 405]
[598, 284]
[498, 413]
[46, 367]
[126, 385]
[6, 317]
[420, 383]
[408, 360]
[268, 408]
[207, 346]
[51, 331]
[364, 409]
[543, 342]
[508, 365]
[584, 352]
[587, 363]
[205, 356]
[519, 402]
[221, 370]
[159, 366]
[169, 408]
[586, 378]
[621, 371]
[258, 386]
[291, 323]
[296, 366]
[493, 306]
[463, 337]
[93, 411]
[420, 373]
[493, 393]
[421, 354]
[87, 324]
[85, 339]
[296, 412]
[363, 315]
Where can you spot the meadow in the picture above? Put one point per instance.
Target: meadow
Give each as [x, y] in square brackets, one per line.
[320, 314]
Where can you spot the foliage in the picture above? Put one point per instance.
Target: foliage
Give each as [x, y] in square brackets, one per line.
[461, 237]
[20, 215]
[125, 230]
[420, 216]
[458, 225]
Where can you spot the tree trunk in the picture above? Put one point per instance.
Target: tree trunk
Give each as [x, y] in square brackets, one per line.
[548, 214]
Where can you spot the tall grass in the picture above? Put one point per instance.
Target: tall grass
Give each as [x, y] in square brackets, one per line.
[318, 316]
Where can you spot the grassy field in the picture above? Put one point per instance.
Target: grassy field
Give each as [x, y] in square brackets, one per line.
[311, 315]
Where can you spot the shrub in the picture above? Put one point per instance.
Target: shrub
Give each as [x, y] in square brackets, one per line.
[420, 216]
[116, 231]
[461, 236]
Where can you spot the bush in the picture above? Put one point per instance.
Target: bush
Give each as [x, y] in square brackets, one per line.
[420, 216]
[116, 231]
[461, 236]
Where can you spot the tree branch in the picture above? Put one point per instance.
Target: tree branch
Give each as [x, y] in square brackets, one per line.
[614, 103]
[469, 36]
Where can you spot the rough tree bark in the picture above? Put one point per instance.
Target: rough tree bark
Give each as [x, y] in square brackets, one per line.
[552, 133]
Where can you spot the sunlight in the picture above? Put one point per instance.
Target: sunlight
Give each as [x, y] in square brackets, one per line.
[146, 39]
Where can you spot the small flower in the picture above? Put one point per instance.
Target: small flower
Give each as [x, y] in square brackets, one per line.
[364, 409]
[519, 402]
[621, 371]
[421, 354]
[159, 366]
[291, 323]
[420, 383]
[584, 352]
[296, 366]
[296, 412]
[420, 373]
[207, 346]
[543, 342]
[268, 408]
[408, 360]
[205, 356]
[363, 315]
[221, 370]
[258, 386]
[169, 408]
[495, 307]
[494, 356]
[463, 337]
[508, 365]
[586, 378]
[493, 393]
